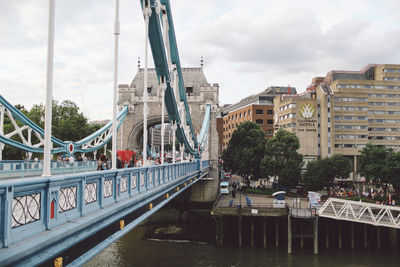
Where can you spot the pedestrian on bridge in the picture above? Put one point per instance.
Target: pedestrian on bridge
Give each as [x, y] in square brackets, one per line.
[102, 164]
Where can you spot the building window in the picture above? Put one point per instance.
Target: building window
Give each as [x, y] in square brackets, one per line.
[269, 112]
[259, 121]
[189, 90]
[259, 111]
[270, 122]
[389, 70]
[389, 78]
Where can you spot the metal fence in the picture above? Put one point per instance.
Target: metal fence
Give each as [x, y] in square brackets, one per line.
[21, 168]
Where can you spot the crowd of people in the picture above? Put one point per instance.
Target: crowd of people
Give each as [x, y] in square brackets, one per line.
[105, 163]
[377, 196]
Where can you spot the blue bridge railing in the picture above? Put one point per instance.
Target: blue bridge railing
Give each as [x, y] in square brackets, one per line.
[21, 168]
[29, 207]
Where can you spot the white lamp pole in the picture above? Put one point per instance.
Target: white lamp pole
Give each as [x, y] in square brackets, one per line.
[146, 11]
[114, 129]
[49, 90]
[162, 122]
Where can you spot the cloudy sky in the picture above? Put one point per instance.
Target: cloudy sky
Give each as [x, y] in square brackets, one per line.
[247, 45]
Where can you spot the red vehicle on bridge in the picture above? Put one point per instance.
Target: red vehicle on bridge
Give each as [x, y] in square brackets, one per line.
[126, 156]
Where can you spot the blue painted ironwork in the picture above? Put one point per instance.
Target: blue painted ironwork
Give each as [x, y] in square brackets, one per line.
[61, 146]
[31, 222]
[21, 169]
[163, 73]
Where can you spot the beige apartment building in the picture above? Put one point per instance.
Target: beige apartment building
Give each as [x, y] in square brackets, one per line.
[359, 107]
[352, 109]
[299, 114]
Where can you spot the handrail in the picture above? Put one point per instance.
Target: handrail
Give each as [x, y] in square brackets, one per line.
[362, 212]
[30, 206]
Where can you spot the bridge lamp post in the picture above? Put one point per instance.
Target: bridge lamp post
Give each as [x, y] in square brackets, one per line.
[114, 127]
[173, 141]
[162, 122]
[146, 13]
[49, 91]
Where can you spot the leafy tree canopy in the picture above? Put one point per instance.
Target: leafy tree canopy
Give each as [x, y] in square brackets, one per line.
[322, 172]
[282, 160]
[381, 166]
[313, 178]
[68, 124]
[245, 151]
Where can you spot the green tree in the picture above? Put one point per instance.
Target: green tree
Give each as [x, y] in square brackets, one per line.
[68, 124]
[313, 178]
[245, 151]
[392, 170]
[336, 167]
[322, 172]
[374, 165]
[282, 160]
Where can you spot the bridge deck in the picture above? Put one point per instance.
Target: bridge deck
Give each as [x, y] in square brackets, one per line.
[44, 216]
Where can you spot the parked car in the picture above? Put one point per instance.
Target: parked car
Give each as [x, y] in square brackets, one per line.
[224, 188]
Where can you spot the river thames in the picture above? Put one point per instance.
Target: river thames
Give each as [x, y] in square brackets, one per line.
[137, 248]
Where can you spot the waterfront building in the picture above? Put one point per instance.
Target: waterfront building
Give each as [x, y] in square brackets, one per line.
[155, 136]
[258, 108]
[344, 111]
[359, 107]
[299, 114]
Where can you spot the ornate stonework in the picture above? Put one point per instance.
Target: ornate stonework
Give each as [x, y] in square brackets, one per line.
[199, 94]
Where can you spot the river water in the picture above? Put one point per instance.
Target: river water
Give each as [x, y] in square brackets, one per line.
[137, 248]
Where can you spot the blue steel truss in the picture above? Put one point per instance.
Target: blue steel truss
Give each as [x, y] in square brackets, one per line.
[84, 146]
[163, 73]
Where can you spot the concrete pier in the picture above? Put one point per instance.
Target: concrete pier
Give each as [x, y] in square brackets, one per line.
[265, 226]
[316, 235]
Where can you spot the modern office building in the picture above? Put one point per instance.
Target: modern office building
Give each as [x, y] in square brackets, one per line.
[359, 107]
[343, 112]
[257, 108]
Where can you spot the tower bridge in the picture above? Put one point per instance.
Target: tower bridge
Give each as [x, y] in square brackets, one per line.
[199, 94]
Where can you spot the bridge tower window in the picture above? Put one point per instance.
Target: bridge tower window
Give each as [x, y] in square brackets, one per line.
[189, 90]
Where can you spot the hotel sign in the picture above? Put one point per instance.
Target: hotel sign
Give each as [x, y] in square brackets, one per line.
[307, 110]
[307, 123]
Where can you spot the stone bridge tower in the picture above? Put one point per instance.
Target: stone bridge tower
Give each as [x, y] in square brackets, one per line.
[198, 91]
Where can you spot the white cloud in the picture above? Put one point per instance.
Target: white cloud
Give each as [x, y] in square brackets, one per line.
[247, 45]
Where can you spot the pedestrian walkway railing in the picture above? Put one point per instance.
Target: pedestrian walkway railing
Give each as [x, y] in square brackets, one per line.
[361, 212]
[305, 213]
[31, 206]
[21, 168]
